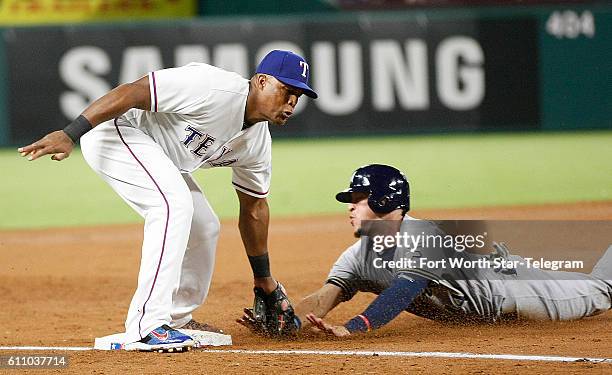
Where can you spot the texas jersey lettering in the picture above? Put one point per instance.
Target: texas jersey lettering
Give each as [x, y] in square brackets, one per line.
[197, 115]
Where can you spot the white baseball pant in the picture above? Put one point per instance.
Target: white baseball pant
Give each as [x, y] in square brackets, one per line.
[180, 230]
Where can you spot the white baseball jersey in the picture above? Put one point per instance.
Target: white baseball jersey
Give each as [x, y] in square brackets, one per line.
[197, 115]
[195, 121]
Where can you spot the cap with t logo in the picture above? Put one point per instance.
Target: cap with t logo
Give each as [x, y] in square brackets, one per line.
[289, 68]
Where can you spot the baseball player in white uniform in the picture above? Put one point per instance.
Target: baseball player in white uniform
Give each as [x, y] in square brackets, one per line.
[148, 137]
[378, 200]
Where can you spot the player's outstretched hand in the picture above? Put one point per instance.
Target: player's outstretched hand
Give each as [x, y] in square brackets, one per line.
[338, 331]
[58, 144]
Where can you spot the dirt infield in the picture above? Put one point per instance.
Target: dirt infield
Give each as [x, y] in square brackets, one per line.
[64, 287]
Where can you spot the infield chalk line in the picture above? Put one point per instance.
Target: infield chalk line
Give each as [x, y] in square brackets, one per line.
[361, 353]
[416, 354]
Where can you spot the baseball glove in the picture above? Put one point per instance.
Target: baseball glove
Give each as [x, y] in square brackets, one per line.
[272, 314]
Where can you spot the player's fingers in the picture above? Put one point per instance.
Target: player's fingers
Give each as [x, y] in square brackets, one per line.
[248, 320]
[244, 320]
[311, 318]
[59, 157]
[321, 324]
[326, 327]
[38, 153]
[34, 145]
[249, 312]
[315, 321]
[248, 315]
[26, 150]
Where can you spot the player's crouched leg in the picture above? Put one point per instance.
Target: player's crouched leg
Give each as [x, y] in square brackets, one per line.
[167, 225]
[147, 180]
[166, 232]
[199, 260]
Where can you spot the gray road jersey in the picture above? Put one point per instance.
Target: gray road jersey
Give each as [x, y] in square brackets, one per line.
[453, 294]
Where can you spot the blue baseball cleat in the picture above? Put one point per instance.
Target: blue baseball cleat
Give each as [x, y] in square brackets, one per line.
[164, 340]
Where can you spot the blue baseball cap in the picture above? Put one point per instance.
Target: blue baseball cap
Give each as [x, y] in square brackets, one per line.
[289, 68]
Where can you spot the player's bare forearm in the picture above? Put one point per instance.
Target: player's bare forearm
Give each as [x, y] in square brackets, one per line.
[253, 223]
[120, 100]
[318, 303]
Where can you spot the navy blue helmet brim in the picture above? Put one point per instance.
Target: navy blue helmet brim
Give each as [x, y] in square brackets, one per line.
[345, 196]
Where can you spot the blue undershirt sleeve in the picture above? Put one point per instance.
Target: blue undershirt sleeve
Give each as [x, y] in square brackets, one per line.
[389, 304]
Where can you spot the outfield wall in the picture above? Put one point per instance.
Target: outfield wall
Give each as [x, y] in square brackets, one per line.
[476, 69]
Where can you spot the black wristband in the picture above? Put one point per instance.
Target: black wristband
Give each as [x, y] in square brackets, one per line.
[260, 265]
[77, 128]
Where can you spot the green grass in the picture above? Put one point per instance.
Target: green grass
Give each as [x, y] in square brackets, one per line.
[445, 171]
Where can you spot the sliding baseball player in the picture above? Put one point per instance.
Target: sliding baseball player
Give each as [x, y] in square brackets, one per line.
[419, 279]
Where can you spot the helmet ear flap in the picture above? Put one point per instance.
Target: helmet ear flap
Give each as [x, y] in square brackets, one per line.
[384, 201]
[380, 204]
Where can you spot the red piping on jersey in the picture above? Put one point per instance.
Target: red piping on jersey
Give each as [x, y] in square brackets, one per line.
[249, 190]
[161, 256]
[154, 92]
